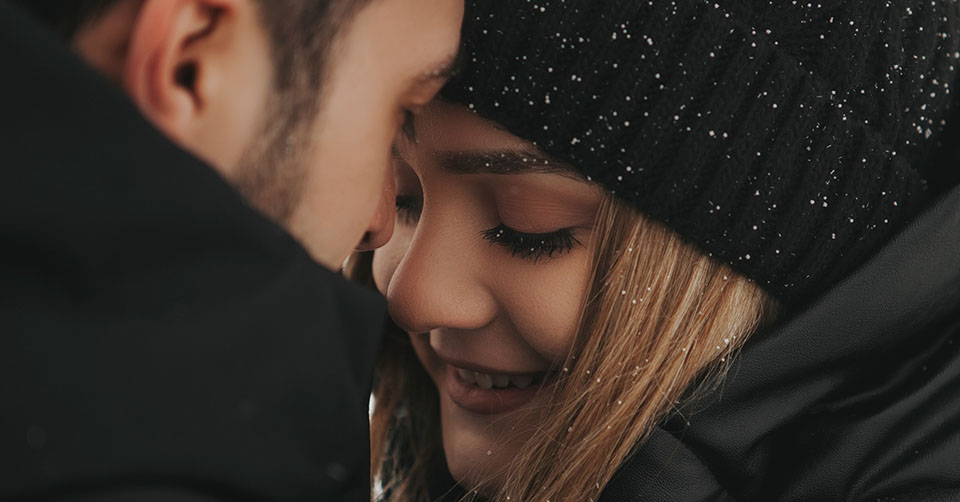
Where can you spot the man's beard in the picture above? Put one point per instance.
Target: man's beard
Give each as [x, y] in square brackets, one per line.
[272, 170]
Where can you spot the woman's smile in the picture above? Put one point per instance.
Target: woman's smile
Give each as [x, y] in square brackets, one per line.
[485, 390]
[490, 394]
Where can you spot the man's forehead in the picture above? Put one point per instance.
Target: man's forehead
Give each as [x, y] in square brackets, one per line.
[416, 38]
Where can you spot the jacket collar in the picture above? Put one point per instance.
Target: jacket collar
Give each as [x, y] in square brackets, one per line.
[869, 328]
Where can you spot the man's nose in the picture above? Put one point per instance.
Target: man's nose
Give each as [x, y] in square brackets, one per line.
[380, 228]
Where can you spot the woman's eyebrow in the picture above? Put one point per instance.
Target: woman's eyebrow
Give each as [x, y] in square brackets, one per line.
[442, 71]
[502, 162]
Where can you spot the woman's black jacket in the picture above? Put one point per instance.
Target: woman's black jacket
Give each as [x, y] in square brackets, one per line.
[854, 398]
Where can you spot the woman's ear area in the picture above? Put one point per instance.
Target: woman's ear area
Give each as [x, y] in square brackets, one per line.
[182, 57]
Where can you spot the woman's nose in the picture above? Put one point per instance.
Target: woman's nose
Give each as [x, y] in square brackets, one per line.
[439, 283]
[380, 228]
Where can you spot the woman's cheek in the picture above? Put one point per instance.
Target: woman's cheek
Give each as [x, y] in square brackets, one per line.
[544, 300]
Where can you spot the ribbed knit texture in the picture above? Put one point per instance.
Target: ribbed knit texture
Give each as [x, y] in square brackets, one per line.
[780, 137]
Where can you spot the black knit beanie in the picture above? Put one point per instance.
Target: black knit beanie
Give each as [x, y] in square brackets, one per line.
[783, 137]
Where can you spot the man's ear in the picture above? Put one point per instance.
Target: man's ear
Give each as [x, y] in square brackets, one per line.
[182, 55]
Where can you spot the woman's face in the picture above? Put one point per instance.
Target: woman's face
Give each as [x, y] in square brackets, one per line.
[486, 271]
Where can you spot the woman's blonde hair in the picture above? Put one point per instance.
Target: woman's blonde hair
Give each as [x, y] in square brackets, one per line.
[660, 323]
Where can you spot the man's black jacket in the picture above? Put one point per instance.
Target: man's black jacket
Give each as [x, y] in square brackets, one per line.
[159, 340]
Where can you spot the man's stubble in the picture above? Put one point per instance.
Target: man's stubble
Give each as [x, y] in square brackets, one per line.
[274, 166]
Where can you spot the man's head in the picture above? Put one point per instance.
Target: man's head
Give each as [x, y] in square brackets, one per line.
[295, 102]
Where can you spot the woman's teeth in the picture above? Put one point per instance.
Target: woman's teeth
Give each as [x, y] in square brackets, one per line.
[488, 381]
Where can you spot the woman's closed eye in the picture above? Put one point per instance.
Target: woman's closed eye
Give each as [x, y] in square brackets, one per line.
[532, 246]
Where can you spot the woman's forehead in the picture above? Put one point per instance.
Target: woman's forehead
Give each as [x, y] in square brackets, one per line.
[451, 126]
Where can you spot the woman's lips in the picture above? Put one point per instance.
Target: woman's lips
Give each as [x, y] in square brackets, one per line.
[491, 394]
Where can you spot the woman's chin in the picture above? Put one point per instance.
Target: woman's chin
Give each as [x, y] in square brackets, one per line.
[477, 448]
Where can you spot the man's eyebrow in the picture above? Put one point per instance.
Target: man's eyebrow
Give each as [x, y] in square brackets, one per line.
[503, 162]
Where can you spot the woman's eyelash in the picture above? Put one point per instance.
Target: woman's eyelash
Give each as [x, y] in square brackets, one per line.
[532, 246]
[525, 245]
[409, 208]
